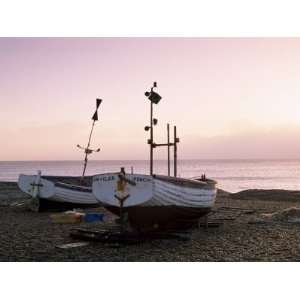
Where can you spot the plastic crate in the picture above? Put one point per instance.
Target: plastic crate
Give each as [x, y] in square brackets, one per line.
[93, 217]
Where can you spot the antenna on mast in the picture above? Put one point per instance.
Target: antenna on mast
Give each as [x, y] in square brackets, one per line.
[87, 149]
[155, 98]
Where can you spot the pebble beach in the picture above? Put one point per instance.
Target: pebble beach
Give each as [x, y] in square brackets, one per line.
[240, 235]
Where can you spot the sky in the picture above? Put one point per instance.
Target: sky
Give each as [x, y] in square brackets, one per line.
[231, 98]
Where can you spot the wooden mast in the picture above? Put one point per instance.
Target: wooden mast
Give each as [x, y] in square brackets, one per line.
[151, 136]
[168, 134]
[87, 149]
[155, 98]
[175, 153]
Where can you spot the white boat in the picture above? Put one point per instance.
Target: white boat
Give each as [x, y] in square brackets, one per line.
[51, 192]
[155, 201]
[47, 192]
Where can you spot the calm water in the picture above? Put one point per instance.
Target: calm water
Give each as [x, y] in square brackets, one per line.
[232, 175]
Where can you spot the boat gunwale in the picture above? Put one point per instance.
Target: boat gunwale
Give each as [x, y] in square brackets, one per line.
[185, 182]
[179, 181]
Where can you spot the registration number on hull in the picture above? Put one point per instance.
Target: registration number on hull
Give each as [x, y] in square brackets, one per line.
[112, 177]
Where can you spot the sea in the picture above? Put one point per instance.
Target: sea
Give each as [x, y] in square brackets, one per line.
[231, 175]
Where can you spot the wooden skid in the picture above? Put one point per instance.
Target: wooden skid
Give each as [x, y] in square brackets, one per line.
[125, 237]
[210, 224]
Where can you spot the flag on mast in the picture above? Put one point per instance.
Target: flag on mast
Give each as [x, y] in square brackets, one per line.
[95, 116]
[98, 102]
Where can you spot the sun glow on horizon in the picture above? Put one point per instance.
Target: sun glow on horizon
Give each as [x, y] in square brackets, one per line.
[230, 98]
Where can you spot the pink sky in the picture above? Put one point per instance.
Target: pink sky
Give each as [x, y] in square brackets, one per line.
[230, 98]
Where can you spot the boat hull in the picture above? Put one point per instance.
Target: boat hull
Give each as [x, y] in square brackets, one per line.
[161, 217]
[56, 195]
[57, 206]
[155, 202]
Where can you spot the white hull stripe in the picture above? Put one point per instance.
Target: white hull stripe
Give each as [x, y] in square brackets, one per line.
[183, 189]
[66, 195]
[185, 196]
[183, 202]
[160, 201]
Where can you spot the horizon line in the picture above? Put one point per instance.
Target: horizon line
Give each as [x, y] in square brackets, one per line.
[95, 160]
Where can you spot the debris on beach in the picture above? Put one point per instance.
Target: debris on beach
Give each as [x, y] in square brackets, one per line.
[93, 217]
[10, 195]
[267, 195]
[291, 214]
[118, 236]
[73, 216]
[34, 204]
[210, 224]
[67, 217]
[72, 245]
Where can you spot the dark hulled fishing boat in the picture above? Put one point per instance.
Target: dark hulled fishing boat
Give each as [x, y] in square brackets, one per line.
[155, 201]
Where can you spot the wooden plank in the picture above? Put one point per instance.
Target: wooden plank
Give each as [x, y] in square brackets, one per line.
[72, 245]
